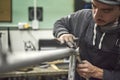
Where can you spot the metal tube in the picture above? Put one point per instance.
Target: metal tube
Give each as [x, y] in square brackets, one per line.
[18, 60]
[72, 64]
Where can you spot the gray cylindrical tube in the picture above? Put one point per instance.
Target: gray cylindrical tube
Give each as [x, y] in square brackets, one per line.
[18, 60]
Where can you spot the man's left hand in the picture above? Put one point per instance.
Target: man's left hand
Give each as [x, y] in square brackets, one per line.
[87, 70]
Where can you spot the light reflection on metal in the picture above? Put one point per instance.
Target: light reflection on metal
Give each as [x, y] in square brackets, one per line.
[18, 60]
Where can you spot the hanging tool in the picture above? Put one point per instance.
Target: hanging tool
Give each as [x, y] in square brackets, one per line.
[9, 41]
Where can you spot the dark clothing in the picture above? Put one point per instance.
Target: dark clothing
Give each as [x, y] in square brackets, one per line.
[98, 47]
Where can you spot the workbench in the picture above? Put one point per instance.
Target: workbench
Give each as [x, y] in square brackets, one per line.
[36, 71]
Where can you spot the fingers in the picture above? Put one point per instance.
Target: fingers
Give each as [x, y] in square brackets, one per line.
[82, 68]
[85, 69]
[68, 39]
[84, 75]
[84, 64]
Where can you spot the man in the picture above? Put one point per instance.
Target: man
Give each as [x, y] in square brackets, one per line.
[98, 31]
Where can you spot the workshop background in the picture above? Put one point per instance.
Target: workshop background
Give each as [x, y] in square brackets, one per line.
[23, 23]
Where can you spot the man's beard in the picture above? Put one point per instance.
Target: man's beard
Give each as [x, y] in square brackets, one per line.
[111, 27]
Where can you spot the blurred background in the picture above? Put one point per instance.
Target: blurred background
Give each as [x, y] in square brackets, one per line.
[24, 23]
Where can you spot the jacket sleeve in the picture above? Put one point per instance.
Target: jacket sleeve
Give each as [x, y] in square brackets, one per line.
[113, 74]
[70, 23]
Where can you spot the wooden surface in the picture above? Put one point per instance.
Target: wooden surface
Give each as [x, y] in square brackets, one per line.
[37, 71]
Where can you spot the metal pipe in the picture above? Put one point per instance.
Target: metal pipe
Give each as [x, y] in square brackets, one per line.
[18, 60]
[72, 64]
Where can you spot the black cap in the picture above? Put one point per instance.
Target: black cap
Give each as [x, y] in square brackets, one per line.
[110, 2]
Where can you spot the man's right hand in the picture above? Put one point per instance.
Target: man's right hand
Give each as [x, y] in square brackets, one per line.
[67, 38]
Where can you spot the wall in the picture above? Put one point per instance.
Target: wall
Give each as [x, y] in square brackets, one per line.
[52, 10]
[18, 38]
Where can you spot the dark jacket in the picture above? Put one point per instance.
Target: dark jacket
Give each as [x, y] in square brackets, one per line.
[98, 47]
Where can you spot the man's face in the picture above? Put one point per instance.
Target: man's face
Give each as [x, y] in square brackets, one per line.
[104, 14]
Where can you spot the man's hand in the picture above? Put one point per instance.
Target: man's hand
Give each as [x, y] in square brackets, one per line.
[68, 39]
[88, 70]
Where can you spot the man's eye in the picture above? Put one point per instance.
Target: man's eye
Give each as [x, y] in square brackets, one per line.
[106, 11]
